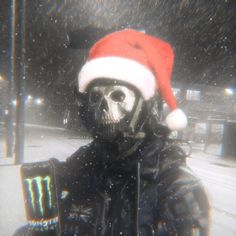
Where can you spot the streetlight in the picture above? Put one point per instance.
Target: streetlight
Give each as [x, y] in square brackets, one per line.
[2, 82]
[14, 102]
[29, 98]
[39, 101]
[229, 91]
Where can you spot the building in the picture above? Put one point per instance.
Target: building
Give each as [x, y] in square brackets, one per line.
[209, 109]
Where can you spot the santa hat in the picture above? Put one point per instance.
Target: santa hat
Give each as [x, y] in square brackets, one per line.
[139, 59]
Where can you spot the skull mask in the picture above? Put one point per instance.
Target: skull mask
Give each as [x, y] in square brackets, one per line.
[110, 108]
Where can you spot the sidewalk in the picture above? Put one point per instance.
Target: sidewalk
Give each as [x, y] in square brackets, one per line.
[213, 155]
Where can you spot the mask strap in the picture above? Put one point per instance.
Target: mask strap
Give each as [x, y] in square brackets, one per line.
[136, 115]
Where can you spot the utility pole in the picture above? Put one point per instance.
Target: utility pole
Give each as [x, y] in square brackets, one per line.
[20, 82]
[10, 87]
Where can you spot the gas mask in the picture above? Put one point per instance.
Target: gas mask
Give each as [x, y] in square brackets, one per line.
[111, 110]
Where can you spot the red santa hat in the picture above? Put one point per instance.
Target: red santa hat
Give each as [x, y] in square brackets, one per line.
[139, 59]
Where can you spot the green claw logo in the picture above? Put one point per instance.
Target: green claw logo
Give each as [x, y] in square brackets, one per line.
[35, 187]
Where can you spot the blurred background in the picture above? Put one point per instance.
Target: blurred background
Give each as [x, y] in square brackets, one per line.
[43, 45]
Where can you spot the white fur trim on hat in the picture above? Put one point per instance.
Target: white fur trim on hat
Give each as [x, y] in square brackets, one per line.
[176, 120]
[119, 68]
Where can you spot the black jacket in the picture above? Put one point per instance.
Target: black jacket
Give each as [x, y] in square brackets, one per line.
[149, 191]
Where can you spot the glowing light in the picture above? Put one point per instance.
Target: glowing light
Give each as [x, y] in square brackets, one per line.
[31, 192]
[229, 91]
[39, 182]
[14, 102]
[65, 121]
[48, 182]
[39, 101]
[29, 98]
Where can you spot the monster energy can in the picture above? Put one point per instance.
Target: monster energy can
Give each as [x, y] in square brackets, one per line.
[41, 196]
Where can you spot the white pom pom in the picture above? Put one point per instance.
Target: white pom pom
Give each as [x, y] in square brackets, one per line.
[176, 120]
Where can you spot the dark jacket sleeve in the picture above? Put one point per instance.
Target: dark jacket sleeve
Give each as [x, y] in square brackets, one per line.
[183, 207]
[75, 172]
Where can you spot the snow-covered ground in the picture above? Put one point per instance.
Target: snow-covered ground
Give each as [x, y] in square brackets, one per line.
[41, 143]
[219, 179]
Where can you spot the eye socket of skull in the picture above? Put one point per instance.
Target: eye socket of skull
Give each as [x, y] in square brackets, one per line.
[118, 95]
[95, 96]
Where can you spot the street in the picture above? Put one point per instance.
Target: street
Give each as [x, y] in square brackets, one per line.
[218, 177]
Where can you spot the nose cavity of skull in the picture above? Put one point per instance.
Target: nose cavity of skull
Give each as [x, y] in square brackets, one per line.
[104, 105]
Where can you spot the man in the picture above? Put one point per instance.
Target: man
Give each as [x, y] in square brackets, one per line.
[131, 180]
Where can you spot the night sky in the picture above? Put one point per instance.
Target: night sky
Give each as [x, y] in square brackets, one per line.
[203, 34]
